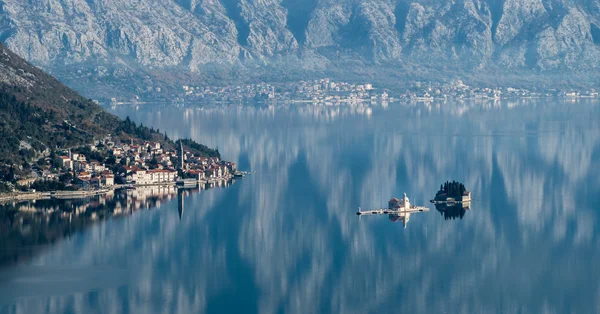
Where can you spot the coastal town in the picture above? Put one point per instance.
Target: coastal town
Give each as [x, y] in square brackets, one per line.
[108, 164]
[313, 91]
[330, 91]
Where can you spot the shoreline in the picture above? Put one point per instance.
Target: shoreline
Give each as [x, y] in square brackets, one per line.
[65, 195]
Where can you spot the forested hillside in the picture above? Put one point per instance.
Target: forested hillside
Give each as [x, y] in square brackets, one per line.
[38, 114]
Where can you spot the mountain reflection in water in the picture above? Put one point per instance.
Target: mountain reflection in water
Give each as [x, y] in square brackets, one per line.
[286, 240]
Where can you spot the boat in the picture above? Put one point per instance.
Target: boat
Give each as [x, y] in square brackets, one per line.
[239, 174]
[187, 183]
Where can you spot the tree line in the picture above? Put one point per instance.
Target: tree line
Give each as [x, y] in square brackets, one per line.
[453, 189]
[150, 134]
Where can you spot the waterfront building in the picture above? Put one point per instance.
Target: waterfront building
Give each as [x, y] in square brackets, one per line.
[141, 176]
[108, 180]
[66, 162]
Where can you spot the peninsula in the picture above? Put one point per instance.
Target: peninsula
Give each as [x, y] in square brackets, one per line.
[56, 140]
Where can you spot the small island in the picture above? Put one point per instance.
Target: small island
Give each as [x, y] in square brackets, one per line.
[452, 200]
[452, 192]
[398, 210]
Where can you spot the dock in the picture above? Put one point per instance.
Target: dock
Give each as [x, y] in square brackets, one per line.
[399, 210]
[387, 211]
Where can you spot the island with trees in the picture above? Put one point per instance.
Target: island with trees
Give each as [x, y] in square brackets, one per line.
[452, 200]
[452, 192]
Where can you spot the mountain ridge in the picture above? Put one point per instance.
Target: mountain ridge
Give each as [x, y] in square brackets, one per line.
[108, 40]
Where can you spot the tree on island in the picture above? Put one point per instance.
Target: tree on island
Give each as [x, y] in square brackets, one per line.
[453, 189]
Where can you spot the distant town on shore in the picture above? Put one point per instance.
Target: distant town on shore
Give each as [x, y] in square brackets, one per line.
[327, 90]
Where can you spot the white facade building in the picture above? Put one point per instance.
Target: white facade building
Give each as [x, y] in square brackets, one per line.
[152, 176]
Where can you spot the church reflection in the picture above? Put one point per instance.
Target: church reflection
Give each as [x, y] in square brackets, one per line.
[402, 217]
[181, 195]
[180, 202]
[27, 227]
[185, 192]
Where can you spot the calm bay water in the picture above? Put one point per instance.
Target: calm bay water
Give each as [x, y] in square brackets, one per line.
[286, 238]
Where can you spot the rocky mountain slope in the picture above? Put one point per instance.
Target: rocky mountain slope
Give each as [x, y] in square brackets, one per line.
[38, 113]
[105, 40]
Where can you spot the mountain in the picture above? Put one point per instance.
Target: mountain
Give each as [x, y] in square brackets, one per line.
[39, 114]
[146, 43]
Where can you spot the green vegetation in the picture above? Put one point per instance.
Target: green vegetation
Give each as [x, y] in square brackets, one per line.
[89, 153]
[200, 149]
[39, 115]
[130, 128]
[452, 189]
[47, 186]
[4, 188]
[27, 129]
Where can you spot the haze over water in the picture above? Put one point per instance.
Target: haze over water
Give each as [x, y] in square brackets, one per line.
[286, 238]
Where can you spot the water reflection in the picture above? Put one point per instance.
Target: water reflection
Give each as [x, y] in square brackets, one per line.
[181, 202]
[285, 240]
[400, 217]
[29, 227]
[452, 211]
